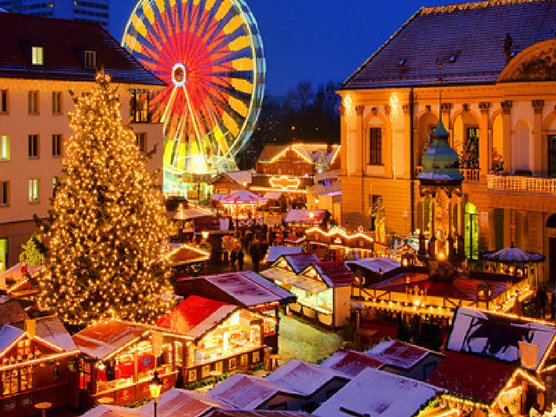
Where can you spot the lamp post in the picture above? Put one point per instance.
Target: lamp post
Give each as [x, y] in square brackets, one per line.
[155, 386]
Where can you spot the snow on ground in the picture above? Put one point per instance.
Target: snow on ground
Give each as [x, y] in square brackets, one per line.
[300, 339]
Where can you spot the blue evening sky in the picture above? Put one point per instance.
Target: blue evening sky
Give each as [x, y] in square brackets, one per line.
[314, 40]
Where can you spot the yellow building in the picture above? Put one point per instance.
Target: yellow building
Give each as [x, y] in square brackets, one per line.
[40, 61]
[497, 62]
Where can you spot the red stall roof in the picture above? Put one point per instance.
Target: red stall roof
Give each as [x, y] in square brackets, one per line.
[400, 354]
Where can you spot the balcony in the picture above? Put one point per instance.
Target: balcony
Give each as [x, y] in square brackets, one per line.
[522, 184]
[471, 174]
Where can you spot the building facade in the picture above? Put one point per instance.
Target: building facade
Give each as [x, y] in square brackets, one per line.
[95, 11]
[40, 62]
[498, 105]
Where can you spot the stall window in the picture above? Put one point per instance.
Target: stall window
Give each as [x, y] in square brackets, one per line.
[85, 376]
[10, 382]
[205, 371]
[232, 364]
[192, 375]
[26, 381]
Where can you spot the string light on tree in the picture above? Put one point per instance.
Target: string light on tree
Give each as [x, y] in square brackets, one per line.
[107, 223]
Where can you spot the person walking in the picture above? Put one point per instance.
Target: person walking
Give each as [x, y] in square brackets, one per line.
[240, 256]
[255, 257]
[233, 258]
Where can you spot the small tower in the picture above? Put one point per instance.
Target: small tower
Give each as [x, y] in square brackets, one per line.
[440, 194]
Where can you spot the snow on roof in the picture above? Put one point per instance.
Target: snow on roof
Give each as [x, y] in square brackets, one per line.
[334, 274]
[52, 330]
[241, 196]
[350, 363]
[271, 195]
[299, 281]
[298, 262]
[189, 213]
[304, 216]
[11, 311]
[183, 403]
[379, 394]
[261, 413]
[104, 410]
[471, 377]
[497, 336]
[303, 377]
[249, 288]
[8, 334]
[240, 176]
[376, 265]
[195, 316]
[101, 339]
[400, 354]
[274, 252]
[248, 392]
[187, 254]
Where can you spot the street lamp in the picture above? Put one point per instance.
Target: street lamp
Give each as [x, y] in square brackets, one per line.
[155, 386]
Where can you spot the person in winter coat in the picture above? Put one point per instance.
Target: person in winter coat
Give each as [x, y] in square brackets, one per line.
[240, 256]
[233, 258]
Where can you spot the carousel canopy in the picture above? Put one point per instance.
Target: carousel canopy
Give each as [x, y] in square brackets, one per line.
[513, 254]
[241, 196]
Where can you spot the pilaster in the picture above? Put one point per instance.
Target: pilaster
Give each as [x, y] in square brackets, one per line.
[343, 141]
[360, 147]
[538, 107]
[507, 134]
[485, 147]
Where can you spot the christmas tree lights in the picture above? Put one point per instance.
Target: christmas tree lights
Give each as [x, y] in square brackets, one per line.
[107, 224]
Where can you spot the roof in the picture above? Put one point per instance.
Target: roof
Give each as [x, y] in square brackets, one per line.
[186, 254]
[298, 281]
[334, 274]
[11, 311]
[399, 354]
[248, 392]
[189, 213]
[375, 265]
[350, 363]
[240, 176]
[53, 331]
[379, 394]
[8, 334]
[183, 403]
[310, 152]
[460, 36]
[236, 413]
[104, 410]
[471, 377]
[299, 261]
[497, 336]
[64, 43]
[241, 196]
[304, 216]
[102, 339]
[274, 252]
[195, 316]
[246, 288]
[269, 152]
[303, 377]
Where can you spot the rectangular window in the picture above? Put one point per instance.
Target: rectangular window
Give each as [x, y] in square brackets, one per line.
[141, 140]
[470, 155]
[33, 102]
[3, 253]
[34, 190]
[3, 101]
[56, 102]
[56, 145]
[90, 59]
[55, 183]
[375, 146]
[33, 142]
[4, 148]
[37, 55]
[139, 106]
[4, 193]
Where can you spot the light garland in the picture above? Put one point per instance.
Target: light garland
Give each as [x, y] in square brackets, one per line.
[336, 231]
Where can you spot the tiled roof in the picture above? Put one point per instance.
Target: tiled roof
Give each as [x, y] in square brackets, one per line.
[64, 43]
[467, 38]
[471, 377]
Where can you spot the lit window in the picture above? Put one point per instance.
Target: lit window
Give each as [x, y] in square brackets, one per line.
[34, 190]
[375, 148]
[4, 193]
[3, 101]
[37, 55]
[33, 146]
[33, 102]
[141, 140]
[4, 148]
[139, 106]
[57, 145]
[55, 183]
[90, 59]
[56, 102]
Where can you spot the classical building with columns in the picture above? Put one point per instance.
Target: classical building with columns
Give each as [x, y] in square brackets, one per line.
[497, 63]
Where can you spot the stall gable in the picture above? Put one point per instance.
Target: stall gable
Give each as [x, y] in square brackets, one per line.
[25, 348]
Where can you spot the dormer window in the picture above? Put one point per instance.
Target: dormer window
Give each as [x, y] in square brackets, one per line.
[90, 59]
[37, 55]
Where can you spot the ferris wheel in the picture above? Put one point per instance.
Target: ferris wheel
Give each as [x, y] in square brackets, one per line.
[210, 55]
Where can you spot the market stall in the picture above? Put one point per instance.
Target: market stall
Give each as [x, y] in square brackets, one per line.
[244, 207]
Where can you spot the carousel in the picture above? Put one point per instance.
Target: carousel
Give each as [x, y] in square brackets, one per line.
[244, 207]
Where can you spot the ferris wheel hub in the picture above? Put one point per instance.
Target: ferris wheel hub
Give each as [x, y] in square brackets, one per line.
[179, 75]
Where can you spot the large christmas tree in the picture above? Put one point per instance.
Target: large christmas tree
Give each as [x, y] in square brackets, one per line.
[107, 224]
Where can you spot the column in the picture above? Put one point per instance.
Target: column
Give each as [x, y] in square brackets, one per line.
[485, 148]
[360, 149]
[538, 159]
[491, 230]
[507, 134]
[343, 141]
[507, 227]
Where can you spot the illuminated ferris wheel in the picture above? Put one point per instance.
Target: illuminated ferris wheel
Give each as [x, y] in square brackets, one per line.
[210, 54]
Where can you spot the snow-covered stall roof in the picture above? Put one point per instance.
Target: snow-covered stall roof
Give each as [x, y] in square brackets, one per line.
[248, 392]
[307, 284]
[195, 316]
[181, 254]
[350, 363]
[498, 336]
[11, 311]
[101, 339]
[8, 335]
[472, 377]
[304, 216]
[240, 177]
[53, 331]
[296, 262]
[379, 394]
[399, 354]
[104, 410]
[375, 265]
[303, 377]
[334, 274]
[183, 403]
[237, 413]
[189, 213]
[274, 252]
